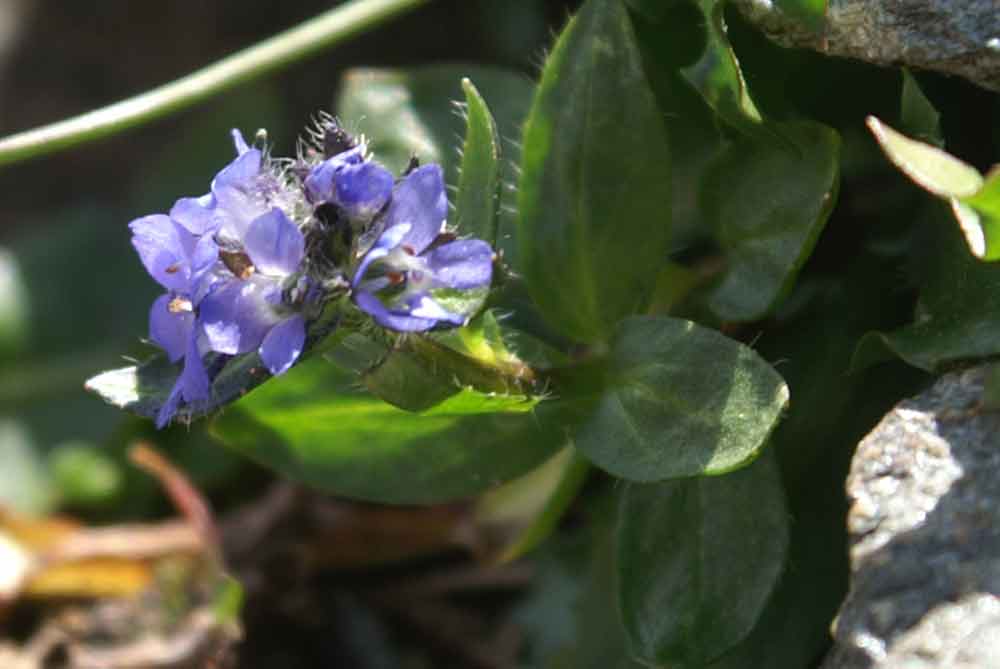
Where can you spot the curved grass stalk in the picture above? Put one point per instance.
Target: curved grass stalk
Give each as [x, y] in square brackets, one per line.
[295, 44]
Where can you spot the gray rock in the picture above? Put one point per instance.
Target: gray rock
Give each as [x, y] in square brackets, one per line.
[960, 37]
[925, 536]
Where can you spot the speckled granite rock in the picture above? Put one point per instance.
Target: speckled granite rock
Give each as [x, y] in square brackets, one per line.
[959, 37]
[925, 536]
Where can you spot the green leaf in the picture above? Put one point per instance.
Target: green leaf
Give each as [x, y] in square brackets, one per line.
[717, 74]
[959, 307]
[768, 203]
[691, 124]
[317, 428]
[419, 372]
[975, 202]
[830, 413]
[917, 115]
[477, 203]
[593, 199]
[697, 561]
[525, 511]
[810, 13]
[931, 168]
[985, 206]
[679, 400]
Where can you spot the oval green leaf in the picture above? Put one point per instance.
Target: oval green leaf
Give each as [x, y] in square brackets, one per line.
[316, 427]
[595, 183]
[679, 400]
[767, 203]
[697, 560]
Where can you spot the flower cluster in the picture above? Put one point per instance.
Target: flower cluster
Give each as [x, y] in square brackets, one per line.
[247, 267]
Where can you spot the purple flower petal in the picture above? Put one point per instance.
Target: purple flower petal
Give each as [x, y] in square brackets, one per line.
[204, 256]
[362, 190]
[241, 172]
[275, 244]
[373, 306]
[165, 249]
[196, 214]
[283, 344]
[195, 384]
[420, 200]
[170, 330]
[320, 183]
[238, 142]
[236, 316]
[462, 264]
[235, 209]
[170, 407]
[387, 242]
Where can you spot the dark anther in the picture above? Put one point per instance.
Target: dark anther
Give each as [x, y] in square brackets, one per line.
[336, 140]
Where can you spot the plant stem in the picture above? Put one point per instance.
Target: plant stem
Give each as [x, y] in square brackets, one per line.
[295, 44]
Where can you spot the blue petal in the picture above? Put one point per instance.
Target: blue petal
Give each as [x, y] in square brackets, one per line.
[235, 209]
[170, 407]
[241, 172]
[237, 315]
[462, 264]
[196, 214]
[195, 384]
[362, 190]
[320, 183]
[238, 142]
[401, 322]
[165, 249]
[203, 257]
[275, 244]
[283, 344]
[420, 200]
[169, 330]
[389, 240]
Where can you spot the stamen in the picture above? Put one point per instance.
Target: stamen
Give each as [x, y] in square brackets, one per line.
[179, 305]
[239, 263]
[395, 278]
[173, 269]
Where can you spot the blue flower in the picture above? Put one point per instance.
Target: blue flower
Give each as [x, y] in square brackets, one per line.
[405, 281]
[179, 261]
[248, 312]
[227, 259]
[359, 188]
